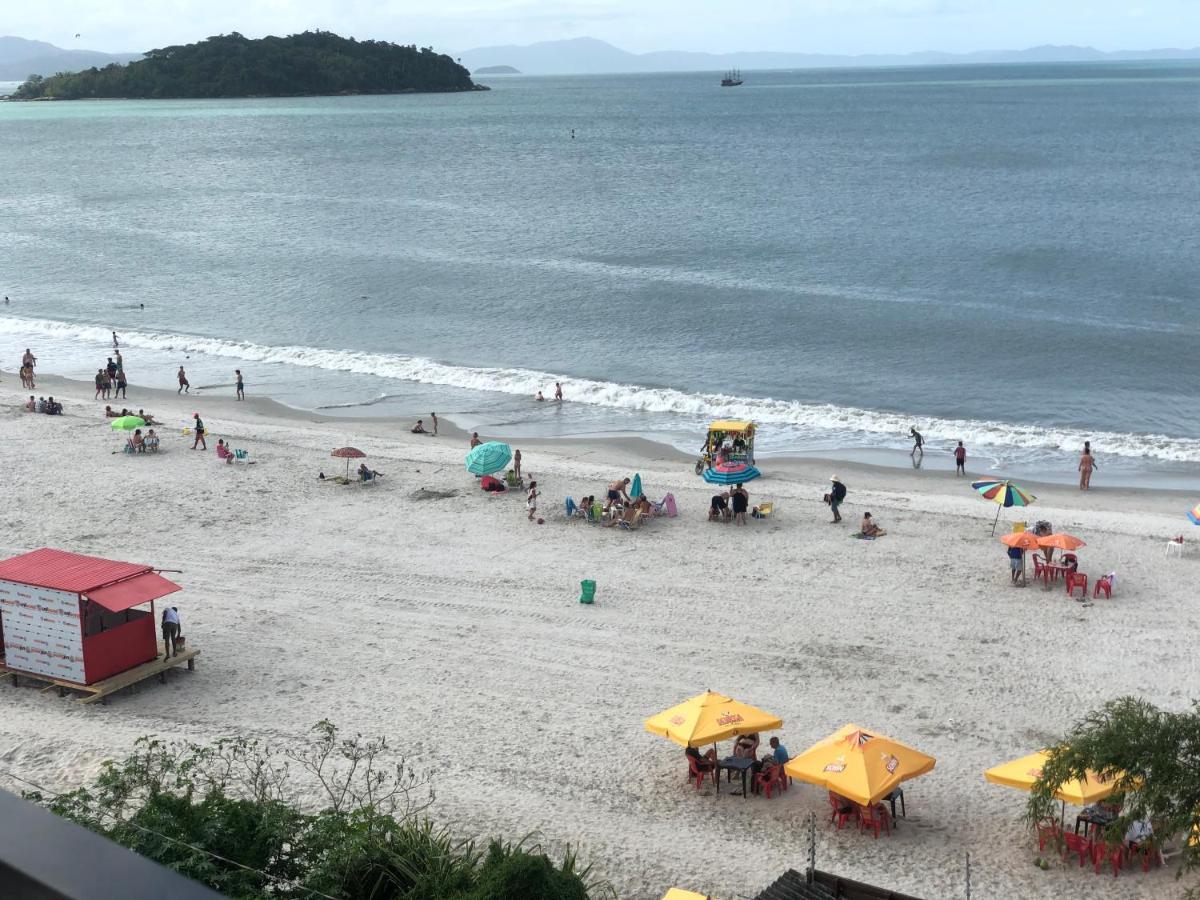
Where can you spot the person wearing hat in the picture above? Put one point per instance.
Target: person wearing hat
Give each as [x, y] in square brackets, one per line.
[198, 424]
[836, 495]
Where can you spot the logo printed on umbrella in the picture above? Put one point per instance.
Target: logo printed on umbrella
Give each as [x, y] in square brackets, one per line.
[891, 765]
[729, 718]
[678, 720]
[836, 767]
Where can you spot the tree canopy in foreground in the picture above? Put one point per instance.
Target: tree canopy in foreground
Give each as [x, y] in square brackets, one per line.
[230, 816]
[230, 65]
[1153, 758]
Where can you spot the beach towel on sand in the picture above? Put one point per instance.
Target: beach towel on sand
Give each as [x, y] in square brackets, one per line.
[864, 537]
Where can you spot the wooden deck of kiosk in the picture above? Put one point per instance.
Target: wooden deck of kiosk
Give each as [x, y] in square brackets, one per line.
[100, 691]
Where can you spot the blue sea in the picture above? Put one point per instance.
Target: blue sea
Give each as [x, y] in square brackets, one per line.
[1001, 255]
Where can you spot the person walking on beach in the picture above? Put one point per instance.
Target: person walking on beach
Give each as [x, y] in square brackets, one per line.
[183, 382]
[199, 426]
[1087, 462]
[241, 385]
[433, 419]
[960, 459]
[170, 631]
[99, 383]
[836, 495]
[517, 464]
[558, 392]
[918, 441]
[121, 384]
[105, 383]
[28, 359]
[531, 500]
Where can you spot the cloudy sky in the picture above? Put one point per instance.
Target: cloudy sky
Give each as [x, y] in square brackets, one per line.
[833, 26]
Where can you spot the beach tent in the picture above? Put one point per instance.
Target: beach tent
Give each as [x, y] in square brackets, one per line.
[708, 718]
[1022, 773]
[860, 765]
[75, 618]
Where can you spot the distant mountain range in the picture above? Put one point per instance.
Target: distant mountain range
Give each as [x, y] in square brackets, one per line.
[588, 56]
[20, 58]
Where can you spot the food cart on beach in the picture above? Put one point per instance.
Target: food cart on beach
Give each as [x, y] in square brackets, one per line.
[728, 456]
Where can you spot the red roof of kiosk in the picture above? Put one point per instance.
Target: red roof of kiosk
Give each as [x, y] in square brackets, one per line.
[111, 584]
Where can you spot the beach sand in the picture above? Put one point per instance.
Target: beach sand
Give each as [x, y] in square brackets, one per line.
[424, 610]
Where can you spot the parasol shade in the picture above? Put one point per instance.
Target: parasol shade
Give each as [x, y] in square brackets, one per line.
[731, 475]
[127, 423]
[488, 458]
[347, 453]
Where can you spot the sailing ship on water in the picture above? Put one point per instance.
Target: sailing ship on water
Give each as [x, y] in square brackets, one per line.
[732, 78]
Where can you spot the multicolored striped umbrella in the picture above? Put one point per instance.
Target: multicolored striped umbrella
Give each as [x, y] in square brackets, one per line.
[1003, 494]
[1194, 515]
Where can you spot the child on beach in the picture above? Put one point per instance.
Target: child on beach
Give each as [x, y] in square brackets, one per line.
[475, 441]
[419, 428]
[960, 459]
[531, 500]
[183, 382]
[433, 419]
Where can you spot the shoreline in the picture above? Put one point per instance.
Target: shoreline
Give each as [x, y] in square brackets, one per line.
[421, 609]
[937, 465]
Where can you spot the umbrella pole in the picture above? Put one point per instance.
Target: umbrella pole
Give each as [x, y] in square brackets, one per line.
[995, 520]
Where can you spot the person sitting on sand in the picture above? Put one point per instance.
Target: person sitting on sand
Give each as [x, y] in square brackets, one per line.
[109, 412]
[31, 404]
[41, 404]
[644, 506]
[868, 528]
[419, 428]
[146, 417]
[617, 491]
[703, 763]
[138, 442]
[365, 474]
[152, 441]
[223, 451]
[718, 507]
[475, 441]
[53, 407]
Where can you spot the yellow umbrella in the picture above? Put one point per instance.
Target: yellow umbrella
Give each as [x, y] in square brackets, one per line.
[859, 765]
[708, 718]
[1022, 773]
[681, 894]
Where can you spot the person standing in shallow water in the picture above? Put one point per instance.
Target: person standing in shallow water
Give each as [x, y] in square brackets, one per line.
[960, 459]
[1087, 462]
[918, 442]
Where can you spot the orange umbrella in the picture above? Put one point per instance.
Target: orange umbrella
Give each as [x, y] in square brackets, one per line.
[1022, 540]
[347, 453]
[1059, 541]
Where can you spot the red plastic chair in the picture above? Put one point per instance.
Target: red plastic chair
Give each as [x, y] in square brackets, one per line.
[1048, 832]
[696, 772]
[1077, 843]
[771, 778]
[841, 812]
[1103, 584]
[1147, 851]
[874, 818]
[1103, 853]
[1077, 580]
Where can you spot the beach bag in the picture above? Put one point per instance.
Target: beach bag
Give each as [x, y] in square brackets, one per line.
[669, 504]
[588, 591]
[180, 641]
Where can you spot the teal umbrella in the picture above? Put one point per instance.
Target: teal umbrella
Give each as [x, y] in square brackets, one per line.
[127, 423]
[635, 489]
[488, 458]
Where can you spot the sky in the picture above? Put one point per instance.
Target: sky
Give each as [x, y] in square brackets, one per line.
[824, 26]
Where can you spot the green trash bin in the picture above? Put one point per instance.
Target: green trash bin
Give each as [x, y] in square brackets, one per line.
[589, 591]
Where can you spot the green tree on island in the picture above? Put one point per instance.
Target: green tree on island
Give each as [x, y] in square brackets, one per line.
[230, 65]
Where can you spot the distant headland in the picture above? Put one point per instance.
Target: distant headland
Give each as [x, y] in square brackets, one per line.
[497, 70]
[312, 63]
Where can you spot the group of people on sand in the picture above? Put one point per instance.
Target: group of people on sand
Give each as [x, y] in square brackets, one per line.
[110, 413]
[140, 443]
[50, 407]
[745, 747]
[420, 428]
[110, 379]
[730, 506]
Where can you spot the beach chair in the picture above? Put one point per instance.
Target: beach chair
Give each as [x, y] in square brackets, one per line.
[1105, 583]
[129, 448]
[1079, 844]
[771, 778]
[1113, 854]
[571, 508]
[1076, 580]
[597, 513]
[875, 819]
[840, 811]
[241, 455]
[634, 523]
[369, 477]
[1048, 832]
[698, 774]
[763, 510]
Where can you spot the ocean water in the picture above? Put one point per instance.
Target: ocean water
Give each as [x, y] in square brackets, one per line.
[1003, 255]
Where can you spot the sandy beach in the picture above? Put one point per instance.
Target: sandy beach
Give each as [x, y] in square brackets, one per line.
[424, 610]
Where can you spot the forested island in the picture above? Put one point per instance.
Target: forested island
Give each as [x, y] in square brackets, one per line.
[315, 62]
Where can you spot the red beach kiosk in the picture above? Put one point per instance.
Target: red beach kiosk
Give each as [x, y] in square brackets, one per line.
[72, 619]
